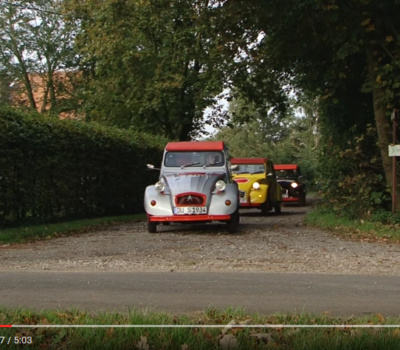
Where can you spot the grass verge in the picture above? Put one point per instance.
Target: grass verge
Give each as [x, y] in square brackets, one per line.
[353, 228]
[37, 232]
[211, 329]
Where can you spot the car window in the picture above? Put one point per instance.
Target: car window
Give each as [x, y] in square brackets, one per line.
[213, 159]
[249, 169]
[282, 173]
[193, 159]
[288, 173]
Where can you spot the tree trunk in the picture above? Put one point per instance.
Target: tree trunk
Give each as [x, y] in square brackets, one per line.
[53, 100]
[29, 90]
[385, 133]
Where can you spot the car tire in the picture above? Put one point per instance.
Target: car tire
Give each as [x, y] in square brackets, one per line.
[151, 226]
[278, 207]
[265, 208]
[302, 201]
[233, 223]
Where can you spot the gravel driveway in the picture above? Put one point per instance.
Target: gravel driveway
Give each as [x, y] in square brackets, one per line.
[273, 243]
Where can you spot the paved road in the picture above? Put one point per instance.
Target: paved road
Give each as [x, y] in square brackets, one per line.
[180, 292]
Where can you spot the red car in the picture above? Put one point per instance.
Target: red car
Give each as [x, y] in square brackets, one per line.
[195, 186]
[293, 189]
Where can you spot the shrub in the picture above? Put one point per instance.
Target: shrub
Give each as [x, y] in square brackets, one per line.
[353, 184]
[53, 169]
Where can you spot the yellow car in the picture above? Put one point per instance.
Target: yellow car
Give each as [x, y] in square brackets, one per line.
[258, 187]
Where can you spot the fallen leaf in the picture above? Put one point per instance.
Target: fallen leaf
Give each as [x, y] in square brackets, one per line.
[381, 318]
[142, 344]
[226, 329]
[266, 338]
[228, 341]
[109, 333]
[207, 335]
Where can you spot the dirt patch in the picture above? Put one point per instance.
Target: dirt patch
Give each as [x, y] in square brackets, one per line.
[273, 243]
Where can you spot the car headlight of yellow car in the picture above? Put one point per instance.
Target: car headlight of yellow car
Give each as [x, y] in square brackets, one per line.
[159, 186]
[256, 185]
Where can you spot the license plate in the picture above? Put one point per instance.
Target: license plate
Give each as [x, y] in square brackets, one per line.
[190, 210]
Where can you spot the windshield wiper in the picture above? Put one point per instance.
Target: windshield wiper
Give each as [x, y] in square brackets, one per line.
[212, 164]
[189, 164]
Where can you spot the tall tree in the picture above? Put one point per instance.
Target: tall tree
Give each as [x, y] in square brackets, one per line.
[333, 46]
[157, 64]
[257, 131]
[36, 41]
[15, 45]
[53, 46]
[5, 82]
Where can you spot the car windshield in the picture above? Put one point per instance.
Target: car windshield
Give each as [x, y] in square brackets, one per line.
[249, 169]
[193, 159]
[287, 174]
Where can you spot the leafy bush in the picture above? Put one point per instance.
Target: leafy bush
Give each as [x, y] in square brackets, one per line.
[385, 217]
[353, 184]
[53, 169]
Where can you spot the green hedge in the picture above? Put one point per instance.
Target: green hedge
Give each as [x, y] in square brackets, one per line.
[53, 169]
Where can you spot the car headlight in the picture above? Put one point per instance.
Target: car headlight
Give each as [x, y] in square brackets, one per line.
[159, 186]
[294, 184]
[256, 185]
[220, 185]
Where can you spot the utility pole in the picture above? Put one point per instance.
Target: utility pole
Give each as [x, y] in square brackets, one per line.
[394, 118]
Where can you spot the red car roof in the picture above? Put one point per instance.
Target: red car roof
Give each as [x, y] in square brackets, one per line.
[195, 146]
[286, 166]
[248, 160]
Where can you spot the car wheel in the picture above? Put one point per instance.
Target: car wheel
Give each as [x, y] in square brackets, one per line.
[278, 207]
[302, 201]
[151, 226]
[265, 208]
[233, 223]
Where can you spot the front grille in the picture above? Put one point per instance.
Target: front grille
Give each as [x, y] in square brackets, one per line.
[190, 199]
[242, 194]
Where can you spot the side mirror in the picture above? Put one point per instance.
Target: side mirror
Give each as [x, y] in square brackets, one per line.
[151, 167]
[234, 167]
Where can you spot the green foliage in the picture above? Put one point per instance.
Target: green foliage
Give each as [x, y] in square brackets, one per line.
[380, 226]
[156, 65]
[212, 329]
[53, 169]
[256, 132]
[36, 42]
[385, 217]
[352, 182]
[346, 53]
[39, 232]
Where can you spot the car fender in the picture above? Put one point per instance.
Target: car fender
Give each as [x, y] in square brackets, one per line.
[260, 195]
[164, 205]
[218, 200]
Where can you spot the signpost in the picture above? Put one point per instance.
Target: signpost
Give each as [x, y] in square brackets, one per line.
[394, 151]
